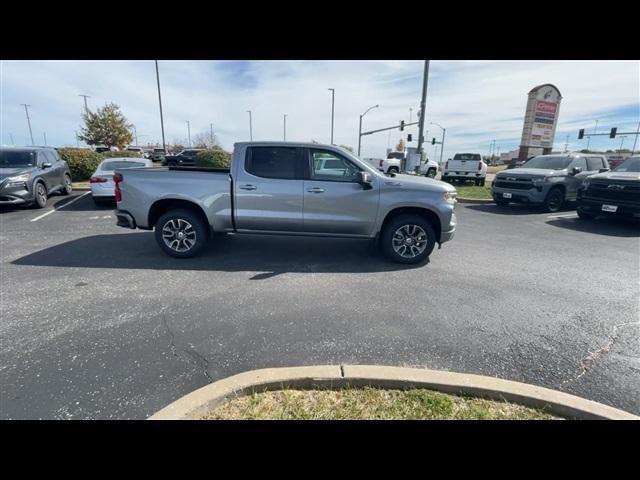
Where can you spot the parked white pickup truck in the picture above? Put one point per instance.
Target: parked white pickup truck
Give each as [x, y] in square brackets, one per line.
[465, 166]
[393, 164]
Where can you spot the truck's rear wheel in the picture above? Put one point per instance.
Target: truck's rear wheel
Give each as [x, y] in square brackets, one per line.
[408, 239]
[181, 233]
[431, 173]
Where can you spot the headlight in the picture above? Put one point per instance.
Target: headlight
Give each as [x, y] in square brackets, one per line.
[538, 182]
[450, 197]
[18, 180]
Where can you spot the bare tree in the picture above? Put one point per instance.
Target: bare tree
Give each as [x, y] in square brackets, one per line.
[206, 139]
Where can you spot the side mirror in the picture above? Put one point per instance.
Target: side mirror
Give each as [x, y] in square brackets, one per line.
[364, 179]
[575, 170]
[46, 165]
[602, 170]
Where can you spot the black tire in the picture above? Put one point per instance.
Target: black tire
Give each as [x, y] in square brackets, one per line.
[393, 170]
[68, 188]
[554, 201]
[431, 173]
[171, 164]
[582, 215]
[405, 223]
[477, 182]
[482, 182]
[195, 233]
[39, 195]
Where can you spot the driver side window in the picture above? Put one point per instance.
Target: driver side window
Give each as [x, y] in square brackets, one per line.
[329, 166]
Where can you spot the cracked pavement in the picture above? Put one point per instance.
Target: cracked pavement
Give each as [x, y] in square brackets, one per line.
[97, 323]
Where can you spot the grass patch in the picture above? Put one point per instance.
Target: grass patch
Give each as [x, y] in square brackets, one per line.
[470, 190]
[369, 404]
[496, 168]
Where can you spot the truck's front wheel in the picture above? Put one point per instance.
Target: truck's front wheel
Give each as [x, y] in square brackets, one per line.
[181, 233]
[408, 239]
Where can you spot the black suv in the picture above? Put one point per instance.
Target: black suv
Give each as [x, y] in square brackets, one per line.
[614, 193]
[28, 175]
[185, 157]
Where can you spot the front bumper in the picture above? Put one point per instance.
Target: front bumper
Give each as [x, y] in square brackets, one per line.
[448, 233]
[594, 207]
[533, 195]
[15, 196]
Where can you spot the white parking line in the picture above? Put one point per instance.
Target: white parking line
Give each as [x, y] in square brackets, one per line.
[59, 208]
[566, 215]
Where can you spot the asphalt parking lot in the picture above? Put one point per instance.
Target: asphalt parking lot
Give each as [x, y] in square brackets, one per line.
[97, 323]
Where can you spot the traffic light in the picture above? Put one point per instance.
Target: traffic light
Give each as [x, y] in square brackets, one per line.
[409, 138]
[401, 125]
[433, 141]
[581, 134]
[613, 132]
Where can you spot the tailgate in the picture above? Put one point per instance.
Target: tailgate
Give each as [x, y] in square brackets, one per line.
[464, 165]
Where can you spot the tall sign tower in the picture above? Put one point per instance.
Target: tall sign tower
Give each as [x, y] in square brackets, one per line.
[540, 120]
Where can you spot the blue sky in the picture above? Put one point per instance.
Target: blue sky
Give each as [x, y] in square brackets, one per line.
[477, 101]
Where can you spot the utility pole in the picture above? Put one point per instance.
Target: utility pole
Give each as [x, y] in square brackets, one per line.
[566, 145]
[164, 146]
[410, 114]
[26, 110]
[11, 137]
[135, 134]
[594, 131]
[45, 138]
[442, 142]
[360, 129]
[633, 149]
[622, 142]
[77, 140]
[211, 133]
[189, 132]
[250, 126]
[86, 108]
[423, 104]
[333, 98]
[285, 127]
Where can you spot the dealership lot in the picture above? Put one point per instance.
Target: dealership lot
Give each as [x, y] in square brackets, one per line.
[98, 323]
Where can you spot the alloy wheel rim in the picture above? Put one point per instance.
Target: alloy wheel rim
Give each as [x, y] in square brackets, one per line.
[179, 235]
[42, 196]
[409, 241]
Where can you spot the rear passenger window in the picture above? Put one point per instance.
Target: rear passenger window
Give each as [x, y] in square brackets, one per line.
[595, 163]
[274, 162]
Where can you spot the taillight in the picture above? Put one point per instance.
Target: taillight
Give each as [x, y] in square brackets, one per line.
[381, 163]
[117, 178]
[480, 165]
[446, 166]
[98, 179]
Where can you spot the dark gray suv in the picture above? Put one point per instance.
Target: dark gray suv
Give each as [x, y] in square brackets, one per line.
[28, 175]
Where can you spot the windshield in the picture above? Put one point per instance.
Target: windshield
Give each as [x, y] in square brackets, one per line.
[629, 165]
[13, 159]
[118, 164]
[548, 163]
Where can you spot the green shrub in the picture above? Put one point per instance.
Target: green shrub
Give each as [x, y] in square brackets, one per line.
[120, 154]
[214, 158]
[82, 162]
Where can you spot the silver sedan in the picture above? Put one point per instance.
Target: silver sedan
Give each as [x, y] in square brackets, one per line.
[102, 185]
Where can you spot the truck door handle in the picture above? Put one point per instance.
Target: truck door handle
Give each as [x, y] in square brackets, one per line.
[248, 187]
[316, 190]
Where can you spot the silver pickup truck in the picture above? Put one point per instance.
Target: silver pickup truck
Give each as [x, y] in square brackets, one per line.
[286, 188]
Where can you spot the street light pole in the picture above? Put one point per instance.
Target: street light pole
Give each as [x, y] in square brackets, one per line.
[45, 138]
[26, 110]
[86, 108]
[594, 131]
[250, 127]
[333, 98]
[423, 103]
[622, 142]
[410, 114]
[189, 132]
[633, 149]
[285, 127]
[442, 142]
[360, 129]
[164, 146]
[11, 137]
[135, 134]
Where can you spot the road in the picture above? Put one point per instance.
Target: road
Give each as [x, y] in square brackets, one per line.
[97, 323]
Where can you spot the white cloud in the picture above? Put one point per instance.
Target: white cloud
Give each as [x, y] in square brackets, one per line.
[476, 101]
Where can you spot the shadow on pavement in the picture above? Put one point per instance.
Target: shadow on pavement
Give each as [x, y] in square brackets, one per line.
[227, 253]
[613, 227]
[515, 209]
[57, 201]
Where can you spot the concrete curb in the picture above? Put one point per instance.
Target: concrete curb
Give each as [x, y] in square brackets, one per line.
[475, 201]
[196, 404]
